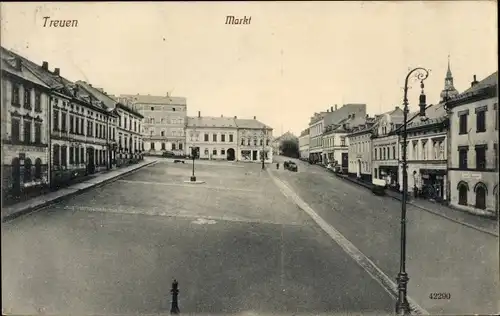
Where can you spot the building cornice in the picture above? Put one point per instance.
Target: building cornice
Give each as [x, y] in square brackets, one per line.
[474, 96]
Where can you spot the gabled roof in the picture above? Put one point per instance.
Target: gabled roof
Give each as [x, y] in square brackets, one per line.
[211, 121]
[9, 65]
[491, 80]
[435, 113]
[251, 123]
[152, 99]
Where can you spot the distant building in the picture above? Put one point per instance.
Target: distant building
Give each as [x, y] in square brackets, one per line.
[304, 144]
[278, 141]
[473, 150]
[321, 120]
[360, 149]
[215, 138]
[385, 147]
[254, 141]
[164, 121]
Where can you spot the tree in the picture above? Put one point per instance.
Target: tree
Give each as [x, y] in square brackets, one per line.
[289, 148]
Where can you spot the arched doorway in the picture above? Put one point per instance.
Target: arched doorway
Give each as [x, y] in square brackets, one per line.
[463, 189]
[27, 170]
[16, 176]
[230, 154]
[359, 169]
[38, 168]
[90, 160]
[481, 192]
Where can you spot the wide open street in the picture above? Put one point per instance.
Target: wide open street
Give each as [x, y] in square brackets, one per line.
[234, 244]
[442, 256]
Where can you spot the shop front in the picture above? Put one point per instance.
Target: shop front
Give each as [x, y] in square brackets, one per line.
[390, 175]
[433, 184]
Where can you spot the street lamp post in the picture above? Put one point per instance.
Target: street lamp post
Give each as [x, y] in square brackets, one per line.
[193, 155]
[402, 305]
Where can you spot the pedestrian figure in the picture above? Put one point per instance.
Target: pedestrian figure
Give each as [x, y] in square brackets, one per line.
[277, 165]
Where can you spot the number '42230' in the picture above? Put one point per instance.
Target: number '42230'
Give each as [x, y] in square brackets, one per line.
[440, 296]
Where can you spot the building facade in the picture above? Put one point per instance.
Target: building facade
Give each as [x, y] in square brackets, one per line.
[254, 141]
[304, 144]
[426, 154]
[215, 138]
[359, 152]
[124, 137]
[385, 148]
[25, 138]
[473, 156]
[316, 128]
[164, 123]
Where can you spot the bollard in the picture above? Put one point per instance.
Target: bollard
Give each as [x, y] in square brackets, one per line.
[175, 292]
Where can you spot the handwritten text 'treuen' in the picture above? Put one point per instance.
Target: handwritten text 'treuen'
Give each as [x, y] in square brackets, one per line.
[231, 19]
[48, 22]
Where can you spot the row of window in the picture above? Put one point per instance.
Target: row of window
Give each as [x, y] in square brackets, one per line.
[248, 142]
[164, 120]
[480, 120]
[481, 161]
[27, 131]
[163, 108]
[76, 155]
[480, 191]
[77, 125]
[127, 124]
[29, 173]
[164, 146]
[330, 141]
[28, 92]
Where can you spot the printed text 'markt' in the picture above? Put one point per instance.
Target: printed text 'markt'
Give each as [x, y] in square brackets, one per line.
[231, 19]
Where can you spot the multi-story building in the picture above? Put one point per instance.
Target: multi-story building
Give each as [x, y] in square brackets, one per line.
[164, 121]
[124, 136]
[473, 149]
[360, 147]
[25, 106]
[335, 142]
[254, 141]
[304, 144]
[426, 153]
[78, 128]
[385, 147]
[316, 128]
[215, 138]
[332, 116]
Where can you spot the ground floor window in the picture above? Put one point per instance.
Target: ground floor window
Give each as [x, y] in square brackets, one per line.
[222, 152]
[481, 193]
[463, 189]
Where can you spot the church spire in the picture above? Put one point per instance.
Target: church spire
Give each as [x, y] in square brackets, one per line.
[448, 73]
[449, 90]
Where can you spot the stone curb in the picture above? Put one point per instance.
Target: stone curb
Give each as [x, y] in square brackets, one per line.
[435, 212]
[45, 204]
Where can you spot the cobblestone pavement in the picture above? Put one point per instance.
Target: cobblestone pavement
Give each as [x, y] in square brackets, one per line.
[234, 243]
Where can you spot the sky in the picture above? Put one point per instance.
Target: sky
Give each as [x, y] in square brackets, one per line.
[293, 59]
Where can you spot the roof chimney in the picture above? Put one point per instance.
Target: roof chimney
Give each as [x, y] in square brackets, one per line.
[45, 65]
[199, 113]
[331, 109]
[57, 71]
[475, 82]
[335, 107]
[235, 117]
[221, 115]
[255, 117]
[18, 63]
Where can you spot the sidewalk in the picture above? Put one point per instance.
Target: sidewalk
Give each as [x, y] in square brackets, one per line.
[482, 223]
[38, 202]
